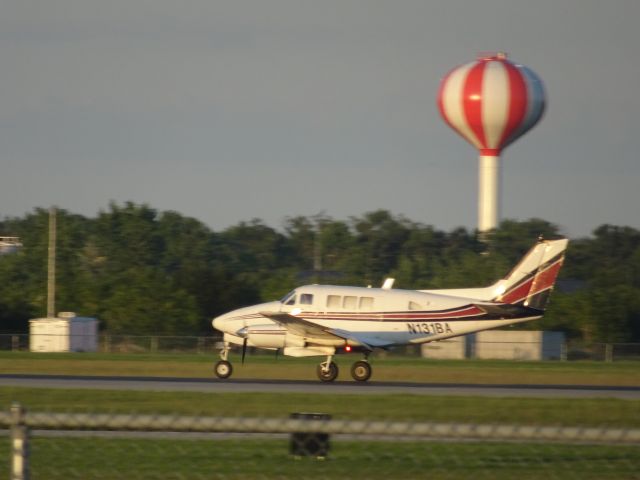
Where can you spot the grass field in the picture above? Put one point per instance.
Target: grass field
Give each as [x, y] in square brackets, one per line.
[73, 458]
[232, 458]
[391, 368]
[527, 411]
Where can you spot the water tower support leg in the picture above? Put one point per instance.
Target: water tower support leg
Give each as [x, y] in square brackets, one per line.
[488, 193]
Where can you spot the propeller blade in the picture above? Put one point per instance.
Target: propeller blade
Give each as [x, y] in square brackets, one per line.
[244, 349]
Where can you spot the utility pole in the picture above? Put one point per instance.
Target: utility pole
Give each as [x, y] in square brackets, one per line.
[317, 249]
[51, 270]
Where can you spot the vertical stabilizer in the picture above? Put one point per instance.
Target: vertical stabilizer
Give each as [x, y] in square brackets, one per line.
[532, 280]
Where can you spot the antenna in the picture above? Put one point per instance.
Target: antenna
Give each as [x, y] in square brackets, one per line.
[388, 283]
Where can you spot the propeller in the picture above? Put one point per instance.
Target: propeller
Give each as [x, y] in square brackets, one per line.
[244, 349]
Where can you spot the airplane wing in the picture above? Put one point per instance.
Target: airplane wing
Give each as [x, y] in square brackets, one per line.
[366, 342]
[299, 326]
[305, 328]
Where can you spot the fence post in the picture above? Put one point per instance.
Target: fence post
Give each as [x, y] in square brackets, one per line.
[106, 343]
[608, 352]
[563, 351]
[19, 444]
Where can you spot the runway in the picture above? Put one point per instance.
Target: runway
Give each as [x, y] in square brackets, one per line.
[316, 387]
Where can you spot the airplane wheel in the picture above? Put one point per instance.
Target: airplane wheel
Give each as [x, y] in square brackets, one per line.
[330, 375]
[361, 371]
[223, 369]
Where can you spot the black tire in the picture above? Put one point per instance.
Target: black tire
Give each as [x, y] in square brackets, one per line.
[361, 371]
[223, 369]
[330, 375]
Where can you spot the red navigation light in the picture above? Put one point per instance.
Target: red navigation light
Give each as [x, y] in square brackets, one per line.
[347, 348]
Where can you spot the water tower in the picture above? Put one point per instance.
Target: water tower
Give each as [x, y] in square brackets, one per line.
[491, 102]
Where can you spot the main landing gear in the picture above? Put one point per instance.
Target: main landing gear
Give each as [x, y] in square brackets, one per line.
[328, 371]
[361, 371]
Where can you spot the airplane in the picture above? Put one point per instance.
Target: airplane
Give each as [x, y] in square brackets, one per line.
[326, 320]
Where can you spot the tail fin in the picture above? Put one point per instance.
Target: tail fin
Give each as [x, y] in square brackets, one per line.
[532, 280]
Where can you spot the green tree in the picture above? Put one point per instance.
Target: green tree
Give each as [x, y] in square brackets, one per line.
[379, 238]
[144, 301]
[144, 271]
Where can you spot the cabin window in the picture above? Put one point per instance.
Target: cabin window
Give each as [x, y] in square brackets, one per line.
[350, 302]
[334, 301]
[306, 298]
[366, 303]
[291, 300]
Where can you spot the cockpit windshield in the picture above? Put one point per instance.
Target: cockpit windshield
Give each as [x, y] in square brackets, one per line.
[289, 296]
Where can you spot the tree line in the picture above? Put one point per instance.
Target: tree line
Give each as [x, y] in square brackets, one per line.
[141, 271]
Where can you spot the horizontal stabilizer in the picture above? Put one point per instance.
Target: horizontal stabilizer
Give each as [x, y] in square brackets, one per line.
[508, 310]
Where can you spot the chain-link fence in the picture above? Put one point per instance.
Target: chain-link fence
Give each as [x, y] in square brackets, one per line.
[211, 344]
[109, 446]
[123, 343]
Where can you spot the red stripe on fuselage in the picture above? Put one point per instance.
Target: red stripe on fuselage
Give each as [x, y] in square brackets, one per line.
[464, 312]
[467, 311]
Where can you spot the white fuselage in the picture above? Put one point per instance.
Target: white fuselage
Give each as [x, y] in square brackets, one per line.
[367, 316]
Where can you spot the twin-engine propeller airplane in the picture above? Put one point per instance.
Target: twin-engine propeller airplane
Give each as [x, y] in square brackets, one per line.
[325, 320]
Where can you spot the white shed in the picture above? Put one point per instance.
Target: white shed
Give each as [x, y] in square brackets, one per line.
[455, 348]
[65, 333]
[500, 344]
[519, 345]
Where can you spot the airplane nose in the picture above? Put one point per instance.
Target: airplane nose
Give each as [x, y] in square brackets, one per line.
[230, 322]
[218, 322]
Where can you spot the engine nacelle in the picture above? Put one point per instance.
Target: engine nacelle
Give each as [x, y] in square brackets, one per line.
[272, 336]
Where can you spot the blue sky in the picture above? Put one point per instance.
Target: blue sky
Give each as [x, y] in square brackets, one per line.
[228, 111]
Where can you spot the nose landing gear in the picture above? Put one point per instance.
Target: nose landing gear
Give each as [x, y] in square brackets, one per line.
[223, 368]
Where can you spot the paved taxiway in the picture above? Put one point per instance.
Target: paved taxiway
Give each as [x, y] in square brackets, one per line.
[292, 386]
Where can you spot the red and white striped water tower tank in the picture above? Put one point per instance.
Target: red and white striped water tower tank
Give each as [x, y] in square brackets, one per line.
[491, 102]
